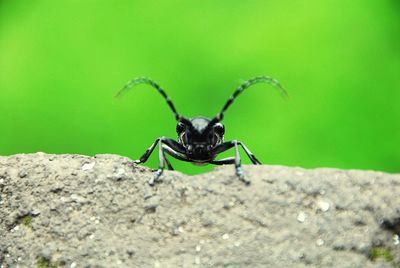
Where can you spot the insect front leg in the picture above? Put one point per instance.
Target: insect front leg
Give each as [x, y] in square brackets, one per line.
[168, 163]
[148, 152]
[167, 141]
[164, 144]
[176, 155]
[225, 161]
[231, 160]
[236, 160]
[253, 159]
[161, 161]
[238, 166]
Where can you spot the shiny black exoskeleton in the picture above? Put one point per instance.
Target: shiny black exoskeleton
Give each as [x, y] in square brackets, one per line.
[200, 139]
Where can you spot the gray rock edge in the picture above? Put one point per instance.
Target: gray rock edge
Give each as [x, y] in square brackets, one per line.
[81, 211]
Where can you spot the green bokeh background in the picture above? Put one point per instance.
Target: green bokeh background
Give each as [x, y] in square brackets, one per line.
[61, 63]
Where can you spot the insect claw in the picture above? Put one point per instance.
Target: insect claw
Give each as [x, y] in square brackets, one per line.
[242, 177]
[151, 181]
[245, 180]
[156, 177]
[137, 161]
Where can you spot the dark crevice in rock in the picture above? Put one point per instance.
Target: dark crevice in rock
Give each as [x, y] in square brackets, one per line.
[391, 225]
[24, 219]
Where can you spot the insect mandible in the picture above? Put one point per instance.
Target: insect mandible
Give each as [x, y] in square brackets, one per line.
[200, 139]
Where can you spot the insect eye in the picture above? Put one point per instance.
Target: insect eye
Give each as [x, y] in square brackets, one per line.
[180, 127]
[219, 128]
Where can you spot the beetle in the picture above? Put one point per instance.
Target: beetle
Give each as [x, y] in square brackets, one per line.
[200, 139]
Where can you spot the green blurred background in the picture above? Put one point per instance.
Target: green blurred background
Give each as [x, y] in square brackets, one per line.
[61, 63]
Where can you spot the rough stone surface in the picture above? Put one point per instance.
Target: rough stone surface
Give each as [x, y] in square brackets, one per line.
[79, 211]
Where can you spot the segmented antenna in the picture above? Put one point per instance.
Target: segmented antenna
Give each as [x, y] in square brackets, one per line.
[143, 80]
[248, 83]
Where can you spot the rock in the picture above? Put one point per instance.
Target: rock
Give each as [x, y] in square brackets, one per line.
[100, 212]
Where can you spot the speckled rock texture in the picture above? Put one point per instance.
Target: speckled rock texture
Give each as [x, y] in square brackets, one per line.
[80, 211]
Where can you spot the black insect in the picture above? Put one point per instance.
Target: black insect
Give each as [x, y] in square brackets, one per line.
[200, 139]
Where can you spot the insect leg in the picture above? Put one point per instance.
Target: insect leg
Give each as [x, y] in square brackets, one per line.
[166, 145]
[176, 155]
[167, 161]
[148, 152]
[169, 142]
[250, 154]
[177, 147]
[223, 147]
[225, 161]
[238, 166]
[226, 146]
[229, 144]
[161, 161]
